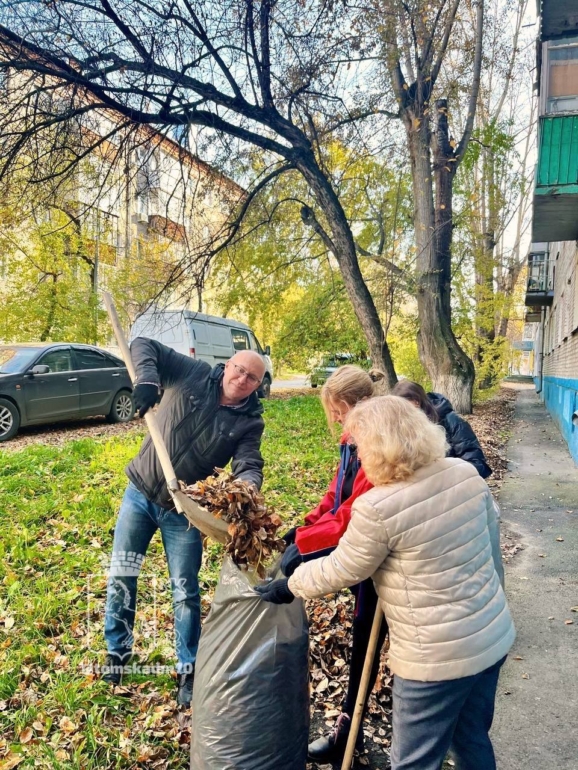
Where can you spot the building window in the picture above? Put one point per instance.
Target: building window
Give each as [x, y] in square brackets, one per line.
[540, 272]
[562, 75]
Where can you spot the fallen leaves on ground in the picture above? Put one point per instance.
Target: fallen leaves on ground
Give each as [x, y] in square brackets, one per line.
[61, 433]
[330, 634]
[67, 502]
[511, 546]
[491, 422]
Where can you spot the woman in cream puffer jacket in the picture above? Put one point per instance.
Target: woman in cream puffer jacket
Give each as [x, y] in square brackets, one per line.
[428, 536]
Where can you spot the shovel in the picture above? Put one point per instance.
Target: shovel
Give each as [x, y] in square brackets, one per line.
[199, 517]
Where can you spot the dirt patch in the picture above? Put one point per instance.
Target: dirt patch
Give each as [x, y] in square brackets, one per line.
[61, 432]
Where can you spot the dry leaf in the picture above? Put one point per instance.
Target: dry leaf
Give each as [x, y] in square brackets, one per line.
[67, 725]
[26, 735]
[8, 622]
[525, 676]
[11, 761]
[568, 622]
[560, 539]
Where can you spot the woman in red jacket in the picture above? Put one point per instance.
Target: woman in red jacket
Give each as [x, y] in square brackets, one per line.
[323, 528]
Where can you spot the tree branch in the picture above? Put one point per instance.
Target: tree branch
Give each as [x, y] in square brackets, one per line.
[308, 217]
[459, 154]
[383, 261]
[445, 40]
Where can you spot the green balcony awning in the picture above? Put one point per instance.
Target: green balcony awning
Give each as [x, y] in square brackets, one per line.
[556, 191]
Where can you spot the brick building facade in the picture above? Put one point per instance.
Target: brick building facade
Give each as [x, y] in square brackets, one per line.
[556, 347]
[552, 288]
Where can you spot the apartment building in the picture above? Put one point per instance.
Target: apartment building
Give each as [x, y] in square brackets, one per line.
[136, 192]
[552, 282]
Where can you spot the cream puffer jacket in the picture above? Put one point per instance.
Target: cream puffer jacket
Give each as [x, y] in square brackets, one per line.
[431, 545]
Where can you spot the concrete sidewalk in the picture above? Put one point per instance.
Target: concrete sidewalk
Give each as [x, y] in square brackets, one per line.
[536, 723]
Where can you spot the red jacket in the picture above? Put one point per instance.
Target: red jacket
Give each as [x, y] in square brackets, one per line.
[323, 528]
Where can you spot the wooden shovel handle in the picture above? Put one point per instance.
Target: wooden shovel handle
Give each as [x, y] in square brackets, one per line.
[363, 685]
[150, 418]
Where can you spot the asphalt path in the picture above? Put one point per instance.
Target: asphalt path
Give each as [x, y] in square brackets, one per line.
[536, 723]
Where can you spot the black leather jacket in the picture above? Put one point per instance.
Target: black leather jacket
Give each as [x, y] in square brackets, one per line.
[200, 434]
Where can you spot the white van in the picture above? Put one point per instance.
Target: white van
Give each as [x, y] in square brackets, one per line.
[206, 337]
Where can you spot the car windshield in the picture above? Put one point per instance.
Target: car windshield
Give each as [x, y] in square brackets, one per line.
[14, 360]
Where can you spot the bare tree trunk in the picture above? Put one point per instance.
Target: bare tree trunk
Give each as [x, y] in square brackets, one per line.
[510, 279]
[451, 370]
[46, 332]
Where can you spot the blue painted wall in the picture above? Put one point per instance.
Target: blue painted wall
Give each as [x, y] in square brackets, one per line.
[561, 398]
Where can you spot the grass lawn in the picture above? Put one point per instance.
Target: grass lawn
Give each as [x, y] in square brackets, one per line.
[57, 513]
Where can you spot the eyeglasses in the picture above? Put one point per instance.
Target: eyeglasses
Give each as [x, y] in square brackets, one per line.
[244, 373]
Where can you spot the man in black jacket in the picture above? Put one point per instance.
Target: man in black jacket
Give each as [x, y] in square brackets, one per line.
[207, 416]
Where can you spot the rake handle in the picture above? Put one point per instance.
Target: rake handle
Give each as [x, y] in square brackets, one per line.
[150, 419]
[363, 685]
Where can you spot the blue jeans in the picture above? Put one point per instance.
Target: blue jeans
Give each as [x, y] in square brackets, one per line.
[430, 718]
[137, 522]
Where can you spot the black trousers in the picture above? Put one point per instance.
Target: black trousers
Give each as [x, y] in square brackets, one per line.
[365, 604]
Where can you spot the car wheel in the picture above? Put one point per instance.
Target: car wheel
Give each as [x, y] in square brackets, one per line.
[122, 409]
[265, 389]
[9, 419]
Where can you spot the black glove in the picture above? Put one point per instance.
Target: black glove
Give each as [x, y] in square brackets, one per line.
[276, 592]
[289, 536]
[291, 560]
[145, 397]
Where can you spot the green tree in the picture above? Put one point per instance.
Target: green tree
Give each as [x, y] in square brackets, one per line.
[279, 274]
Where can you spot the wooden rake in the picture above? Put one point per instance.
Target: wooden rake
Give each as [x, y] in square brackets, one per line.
[363, 685]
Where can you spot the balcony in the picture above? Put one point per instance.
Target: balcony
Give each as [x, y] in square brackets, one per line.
[540, 284]
[557, 18]
[556, 191]
[533, 316]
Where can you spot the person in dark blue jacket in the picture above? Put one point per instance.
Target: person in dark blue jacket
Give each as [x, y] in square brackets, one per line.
[459, 433]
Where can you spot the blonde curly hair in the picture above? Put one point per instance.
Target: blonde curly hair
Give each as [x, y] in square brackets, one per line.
[394, 438]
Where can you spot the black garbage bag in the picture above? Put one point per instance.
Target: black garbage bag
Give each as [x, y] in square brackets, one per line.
[251, 691]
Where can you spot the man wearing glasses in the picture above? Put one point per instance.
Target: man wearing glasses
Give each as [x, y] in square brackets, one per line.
[208, 416]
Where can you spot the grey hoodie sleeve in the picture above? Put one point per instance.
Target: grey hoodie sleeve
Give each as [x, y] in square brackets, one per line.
[158, 364]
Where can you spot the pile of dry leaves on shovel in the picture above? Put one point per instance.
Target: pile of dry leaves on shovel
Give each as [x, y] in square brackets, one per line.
[252, 525]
